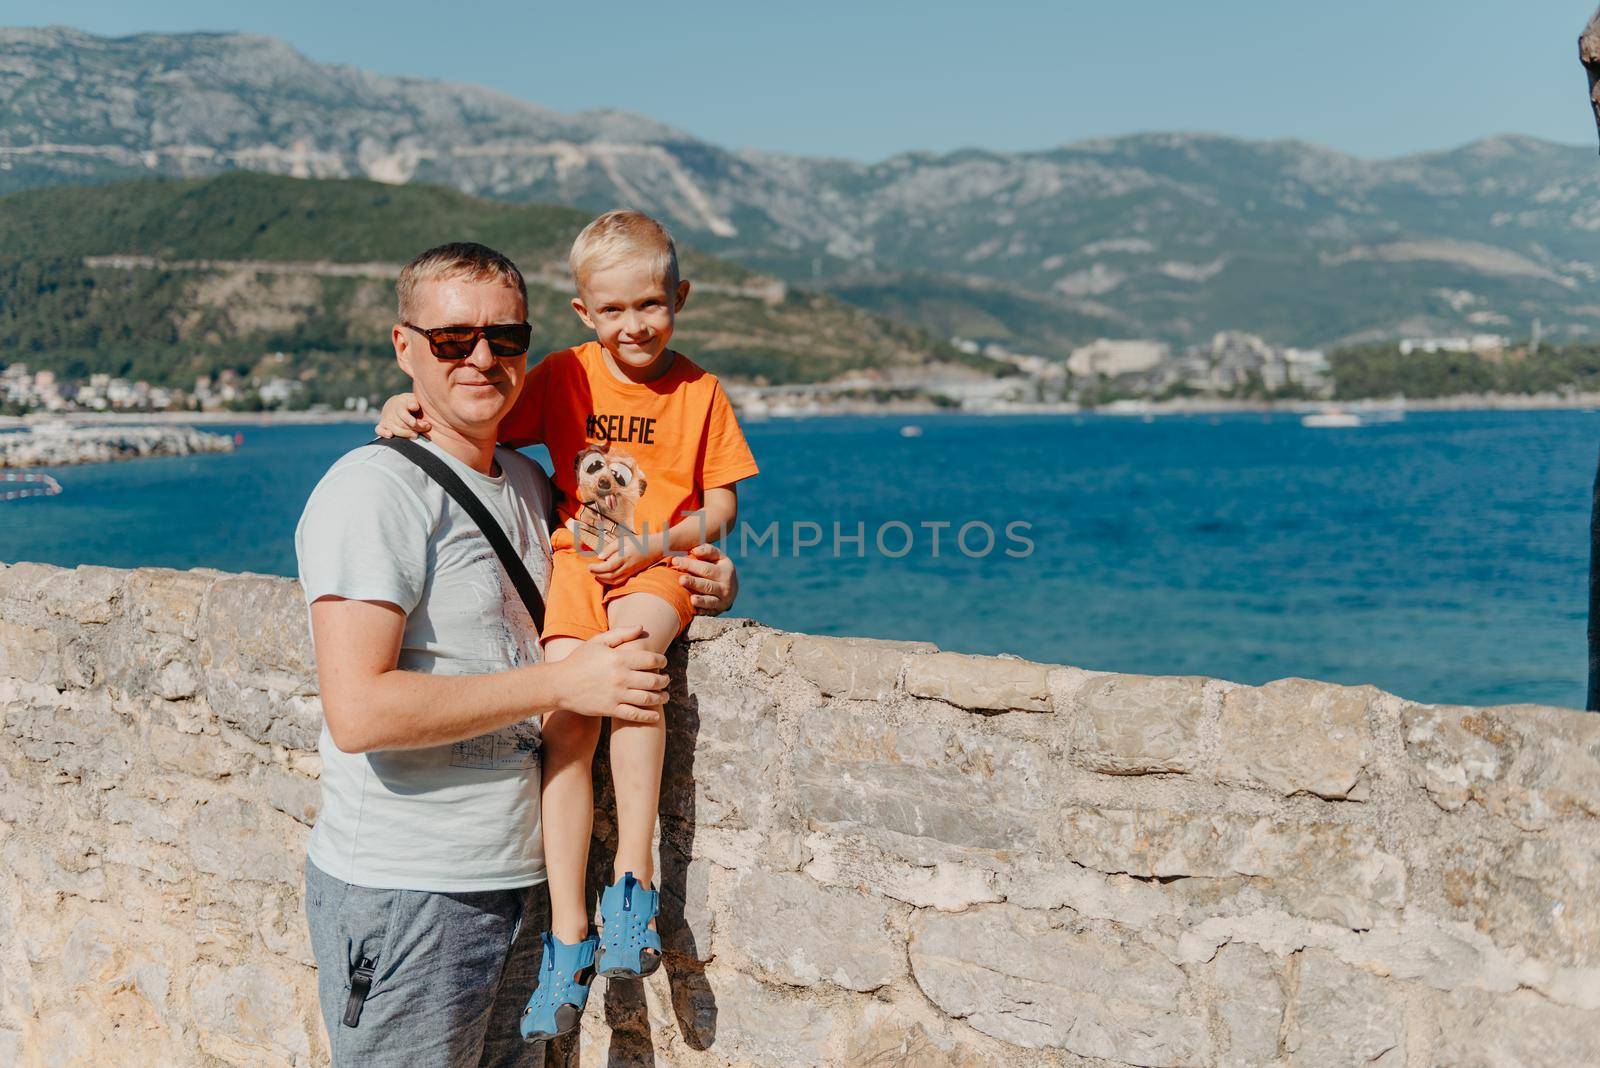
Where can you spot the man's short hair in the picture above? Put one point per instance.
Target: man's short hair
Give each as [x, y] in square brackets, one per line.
[622, 235]
[466, 260]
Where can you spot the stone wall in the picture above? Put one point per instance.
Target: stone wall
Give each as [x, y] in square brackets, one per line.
[873, 853]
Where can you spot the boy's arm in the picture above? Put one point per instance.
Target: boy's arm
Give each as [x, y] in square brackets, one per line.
[711, 523]
[628, 556]
[402, 415]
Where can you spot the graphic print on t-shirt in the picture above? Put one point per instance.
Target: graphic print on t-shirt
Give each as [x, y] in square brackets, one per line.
[514, 747]
[610, 484]
[679, 430]
[511, 748]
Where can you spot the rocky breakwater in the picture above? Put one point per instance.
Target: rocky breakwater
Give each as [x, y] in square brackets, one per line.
[56, 446]
[872, 853]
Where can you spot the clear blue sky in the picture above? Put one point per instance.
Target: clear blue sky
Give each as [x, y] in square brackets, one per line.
[866, 79]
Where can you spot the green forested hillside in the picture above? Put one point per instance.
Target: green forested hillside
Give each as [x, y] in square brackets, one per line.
[166, 319]
[1380, 370]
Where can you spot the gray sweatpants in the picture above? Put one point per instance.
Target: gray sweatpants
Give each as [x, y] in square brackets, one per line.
[451, 972]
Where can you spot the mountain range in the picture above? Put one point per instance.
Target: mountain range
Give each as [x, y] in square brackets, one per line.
[268, 276]
[1166, 235]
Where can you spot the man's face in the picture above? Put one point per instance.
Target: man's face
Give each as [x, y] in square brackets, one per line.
[630, 310]
[469, 395]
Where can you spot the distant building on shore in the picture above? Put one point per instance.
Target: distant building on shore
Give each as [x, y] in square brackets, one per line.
[1113, 359]
[1478, 344]
[1231, 362]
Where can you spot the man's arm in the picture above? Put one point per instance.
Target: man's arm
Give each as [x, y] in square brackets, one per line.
[709, 576]
[369, 703]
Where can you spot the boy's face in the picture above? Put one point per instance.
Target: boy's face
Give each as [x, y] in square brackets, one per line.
[630, 310]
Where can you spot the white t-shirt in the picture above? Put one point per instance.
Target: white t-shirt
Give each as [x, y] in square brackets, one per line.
[453, 817]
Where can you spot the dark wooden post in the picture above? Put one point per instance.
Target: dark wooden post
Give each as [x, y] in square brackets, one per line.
[1593, 702]
[1589, 56]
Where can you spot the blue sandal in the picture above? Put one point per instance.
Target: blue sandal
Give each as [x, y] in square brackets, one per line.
[629, 949]
[565, 973]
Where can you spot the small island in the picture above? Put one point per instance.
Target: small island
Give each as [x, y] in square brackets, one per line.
[58, 445]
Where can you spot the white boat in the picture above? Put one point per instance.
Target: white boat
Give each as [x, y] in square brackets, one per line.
[911, 430]
[1330, 418]
[1386, 411]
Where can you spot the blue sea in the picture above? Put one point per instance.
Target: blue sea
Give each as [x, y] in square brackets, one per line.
[1443, 558]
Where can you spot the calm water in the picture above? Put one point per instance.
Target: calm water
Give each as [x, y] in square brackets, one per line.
[1443, 558]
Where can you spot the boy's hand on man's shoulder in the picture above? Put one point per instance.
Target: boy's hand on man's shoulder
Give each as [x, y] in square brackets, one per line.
[402, 417]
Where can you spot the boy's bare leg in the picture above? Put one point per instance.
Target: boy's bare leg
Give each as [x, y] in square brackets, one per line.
[637, 748]
[566, 807]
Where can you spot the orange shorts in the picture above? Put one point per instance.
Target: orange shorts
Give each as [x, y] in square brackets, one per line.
[576, 605]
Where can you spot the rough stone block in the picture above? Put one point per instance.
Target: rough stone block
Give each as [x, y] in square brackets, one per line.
[1343, 1017]
[22, 585]
[989, 683]
[269, 716]
[76, 737]
[289, 792]
[204, 756]
[1138, 724]
[1541, 896]
[89, 956]
[938, 878]
[148, 821]
[250, 1005]
[803, 933]
[1527, 764]
[1015, 976]
[686, 909]
[1249, 1005]
[1329, 871]
[907, 1032]
[176, 680]
[168, 602]
[961, 785]
[706, 628]
[29, 654]
[135, 660]
[1296, 736]
[234, 839]
[1474, 1029]
[80, 663]
[754, 1023]
[254, 630]
[86, 594]
[724, 755]
[857, 669]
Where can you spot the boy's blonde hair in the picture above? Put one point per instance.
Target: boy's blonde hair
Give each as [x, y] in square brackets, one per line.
[460, 259]
[619, 235]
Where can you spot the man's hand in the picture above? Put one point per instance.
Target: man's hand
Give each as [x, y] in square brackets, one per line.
[402, 417]
[710, 578]
[600, 679]
[623, 558]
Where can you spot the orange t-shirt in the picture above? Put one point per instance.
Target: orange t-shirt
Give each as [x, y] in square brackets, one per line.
[675, 437]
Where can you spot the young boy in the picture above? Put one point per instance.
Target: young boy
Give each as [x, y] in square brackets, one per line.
[647, 454]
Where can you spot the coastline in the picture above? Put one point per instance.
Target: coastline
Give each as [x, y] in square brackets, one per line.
[1467, 402]
[86, 419]
[54, 445]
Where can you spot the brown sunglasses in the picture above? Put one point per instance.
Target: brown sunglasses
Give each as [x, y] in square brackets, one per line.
[457, 342]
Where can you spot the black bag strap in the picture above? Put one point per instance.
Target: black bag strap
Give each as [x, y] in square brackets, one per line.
[473, 505]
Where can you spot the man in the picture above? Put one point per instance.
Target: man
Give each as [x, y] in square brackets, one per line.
[424, 873]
